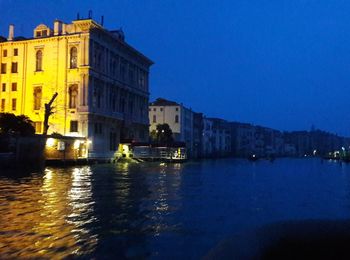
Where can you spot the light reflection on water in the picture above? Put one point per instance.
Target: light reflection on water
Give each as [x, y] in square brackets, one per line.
[160, 210]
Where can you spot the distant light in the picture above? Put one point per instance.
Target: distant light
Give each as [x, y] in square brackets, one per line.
[50, 142]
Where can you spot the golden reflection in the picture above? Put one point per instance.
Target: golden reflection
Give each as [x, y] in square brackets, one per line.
[43, 218]
[81, 203]
[167, 185]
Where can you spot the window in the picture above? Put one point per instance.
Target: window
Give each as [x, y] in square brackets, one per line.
[73, 58]
[14, 104]
[154, 109]
[15, 52]
[122, 69]
[4, 53]
[44, 33]
[73, 96]
[37, 98]
[38, 127]
[14, 86]
[161, 109]
[3, 68]
[3, 87]
[177, 119]
[38, 34]
[177, 109]
[39, 60]
[154, 119]
[131, 107]
[112, 141]
[74, 126]
[14, 67]
[98, 128]
[2, 105]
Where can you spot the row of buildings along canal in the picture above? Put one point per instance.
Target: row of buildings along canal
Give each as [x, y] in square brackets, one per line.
[103, 95]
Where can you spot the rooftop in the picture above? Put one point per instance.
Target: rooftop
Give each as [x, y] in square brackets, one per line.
[163, 102]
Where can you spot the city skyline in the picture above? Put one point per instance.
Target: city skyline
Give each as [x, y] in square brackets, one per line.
[273, 63]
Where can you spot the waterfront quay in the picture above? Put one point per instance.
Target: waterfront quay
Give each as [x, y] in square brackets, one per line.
[167, 211]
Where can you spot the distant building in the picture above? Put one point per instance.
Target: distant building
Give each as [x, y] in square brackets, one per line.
[221, 137]
[208, 138]
[315, 142]
[198, 127]
[177, 116]
[102, 82]
[242, 139]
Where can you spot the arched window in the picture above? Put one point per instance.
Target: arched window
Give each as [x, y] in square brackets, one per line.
[39, 61]
[73, 58]
[73, 96]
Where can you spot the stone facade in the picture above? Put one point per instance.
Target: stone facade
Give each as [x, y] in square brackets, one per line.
[177, 116]
[101, 81]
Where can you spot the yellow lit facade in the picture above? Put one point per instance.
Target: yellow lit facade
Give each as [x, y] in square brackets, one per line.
[101, 81]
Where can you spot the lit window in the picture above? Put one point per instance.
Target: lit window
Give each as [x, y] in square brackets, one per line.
[14, 104]
[37, 98]
[74, 126]
[39, 60]
[73, 96]
[73, 57]
[38, 127]
[3, 68]
[15, 52]
[14, 67]
[2, 105]
[14, 86]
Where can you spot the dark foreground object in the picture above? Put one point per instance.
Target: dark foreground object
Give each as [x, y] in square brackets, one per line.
[312, 239]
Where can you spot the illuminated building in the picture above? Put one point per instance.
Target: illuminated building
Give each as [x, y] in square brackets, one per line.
[101, 81]
[178, 117]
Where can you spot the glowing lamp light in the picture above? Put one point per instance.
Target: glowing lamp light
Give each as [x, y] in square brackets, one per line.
[125, 148]
[50, 142]
[76, 144]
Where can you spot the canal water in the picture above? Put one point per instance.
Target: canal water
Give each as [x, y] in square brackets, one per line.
[161, 211]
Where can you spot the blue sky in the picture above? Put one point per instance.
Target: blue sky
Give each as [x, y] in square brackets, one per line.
[282, 64]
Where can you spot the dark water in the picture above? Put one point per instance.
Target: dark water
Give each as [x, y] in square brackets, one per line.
[161, 211]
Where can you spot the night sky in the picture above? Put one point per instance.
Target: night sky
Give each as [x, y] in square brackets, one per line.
[282, 64]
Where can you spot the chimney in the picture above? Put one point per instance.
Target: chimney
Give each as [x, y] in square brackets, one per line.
[64, 28]
[57, 27]
[11, 32]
